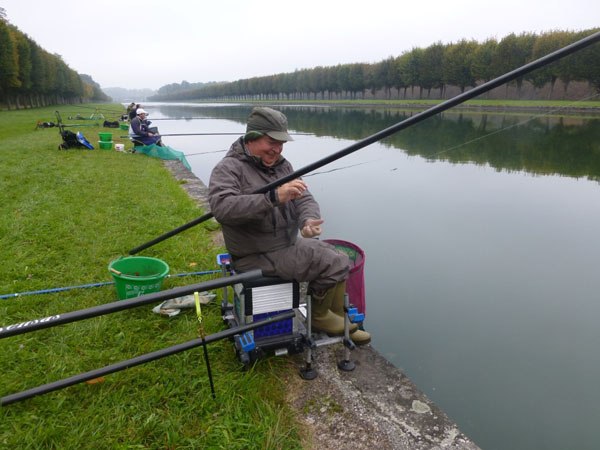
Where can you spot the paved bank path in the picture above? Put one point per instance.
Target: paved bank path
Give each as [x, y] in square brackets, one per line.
[374, 407]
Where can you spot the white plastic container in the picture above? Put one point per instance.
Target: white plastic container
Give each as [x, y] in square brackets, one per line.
[120, 147]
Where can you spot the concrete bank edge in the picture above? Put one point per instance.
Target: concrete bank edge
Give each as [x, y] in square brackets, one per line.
[375, 405]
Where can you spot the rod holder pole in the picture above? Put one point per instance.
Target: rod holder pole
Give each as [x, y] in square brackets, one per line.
[308, 372]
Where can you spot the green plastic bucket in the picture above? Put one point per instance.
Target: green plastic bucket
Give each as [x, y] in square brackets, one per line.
[105, 136]
[105, 145]
[124, 126]
[138, 275]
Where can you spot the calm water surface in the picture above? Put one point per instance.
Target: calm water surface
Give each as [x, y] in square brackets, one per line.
[481, 237]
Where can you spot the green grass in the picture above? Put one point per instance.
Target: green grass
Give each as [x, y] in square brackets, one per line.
[66, 215]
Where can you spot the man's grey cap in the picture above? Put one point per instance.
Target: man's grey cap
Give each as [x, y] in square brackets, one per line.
[270, 122]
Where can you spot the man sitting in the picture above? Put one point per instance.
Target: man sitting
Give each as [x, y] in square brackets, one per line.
[139, 130]
[261, 230]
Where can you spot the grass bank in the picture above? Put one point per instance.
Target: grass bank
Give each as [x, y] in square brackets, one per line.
[66, 215]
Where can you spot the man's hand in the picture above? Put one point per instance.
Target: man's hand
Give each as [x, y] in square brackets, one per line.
[291, 190]
[312, 228]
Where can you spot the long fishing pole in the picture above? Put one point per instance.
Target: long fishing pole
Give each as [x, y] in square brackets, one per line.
[204, 134]
[96, 108]
[461, 98]
[104, 283]
[196, 118]
[41, 126]
[66, 382]
[120, 305]
[86, 112]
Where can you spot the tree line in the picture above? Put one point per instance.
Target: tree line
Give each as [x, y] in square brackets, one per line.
[439, 66]
[536, 146]
[169, 89]
[32, 77]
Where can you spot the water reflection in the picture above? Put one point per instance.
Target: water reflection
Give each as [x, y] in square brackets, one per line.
[545, 145]
[481, 281]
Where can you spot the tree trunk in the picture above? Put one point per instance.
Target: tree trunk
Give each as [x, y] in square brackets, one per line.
[483, 123]
[565, 88]
[551, 88]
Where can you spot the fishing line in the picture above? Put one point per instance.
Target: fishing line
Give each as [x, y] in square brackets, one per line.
[206, 153]
[221, 151]
[340, 168]
[549, 112]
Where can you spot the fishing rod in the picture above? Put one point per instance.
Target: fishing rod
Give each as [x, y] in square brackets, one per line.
[120, 305]
[204, 134]
[197, 118]
[82, 286]
[45, 125]
[96, 108]
[66, 382]
[419, 117]
[95, 111]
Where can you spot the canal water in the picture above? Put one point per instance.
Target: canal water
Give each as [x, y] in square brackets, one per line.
[482, 254]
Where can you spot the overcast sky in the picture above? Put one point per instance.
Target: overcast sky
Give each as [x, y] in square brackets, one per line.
[150, 43]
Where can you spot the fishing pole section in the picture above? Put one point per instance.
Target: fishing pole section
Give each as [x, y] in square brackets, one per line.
[196, 118]
[203, 134]
[120, 305]
[89, 285]
[413, 120]
[202, 341]
[59, 319]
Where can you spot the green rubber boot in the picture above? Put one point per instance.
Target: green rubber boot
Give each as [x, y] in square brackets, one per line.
[359, 337]
[322, 317]
[337, 304]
